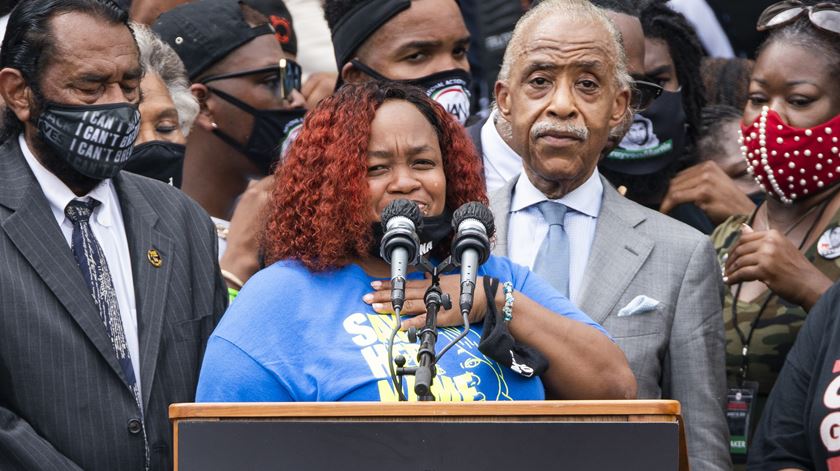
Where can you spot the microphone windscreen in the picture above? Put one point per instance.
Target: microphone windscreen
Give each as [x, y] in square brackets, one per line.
[404, 208]
[474, 210]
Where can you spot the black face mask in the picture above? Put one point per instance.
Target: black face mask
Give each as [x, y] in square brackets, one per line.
[95, 140]
[656, 138]
[161, 160]
[450, 88]
[267, 134]
[435, 229]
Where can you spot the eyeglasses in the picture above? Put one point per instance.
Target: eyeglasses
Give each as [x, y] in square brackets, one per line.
[643, 94]
[289, 77]
[825, 16]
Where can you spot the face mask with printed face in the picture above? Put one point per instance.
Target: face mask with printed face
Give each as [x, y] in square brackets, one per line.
[656, 138]
[95, 140]
[449, 88]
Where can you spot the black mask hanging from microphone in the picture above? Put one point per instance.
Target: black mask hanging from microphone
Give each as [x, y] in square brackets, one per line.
[434, 230]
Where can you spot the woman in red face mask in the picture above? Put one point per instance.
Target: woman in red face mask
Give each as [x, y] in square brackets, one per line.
[778, 261]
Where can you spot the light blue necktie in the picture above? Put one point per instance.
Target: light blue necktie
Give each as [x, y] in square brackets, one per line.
[552, 261]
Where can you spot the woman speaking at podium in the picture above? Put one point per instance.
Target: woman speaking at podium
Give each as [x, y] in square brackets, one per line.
[313, 325]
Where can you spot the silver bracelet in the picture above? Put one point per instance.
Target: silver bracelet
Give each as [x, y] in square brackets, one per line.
[507, 310]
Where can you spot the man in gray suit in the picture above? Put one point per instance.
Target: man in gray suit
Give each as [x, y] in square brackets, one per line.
[108, 281]
[651, 281]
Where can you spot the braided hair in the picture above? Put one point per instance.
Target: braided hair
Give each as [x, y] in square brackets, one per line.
[661, 22]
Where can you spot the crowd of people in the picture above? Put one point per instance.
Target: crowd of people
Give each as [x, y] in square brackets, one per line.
[191, 201]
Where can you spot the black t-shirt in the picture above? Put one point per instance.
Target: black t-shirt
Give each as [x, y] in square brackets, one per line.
[800, 427]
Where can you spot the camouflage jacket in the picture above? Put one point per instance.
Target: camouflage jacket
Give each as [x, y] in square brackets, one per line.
[781, 320]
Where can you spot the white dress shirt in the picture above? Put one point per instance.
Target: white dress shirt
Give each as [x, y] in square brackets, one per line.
[222, 228]
[109, 230]
[501, 163]
[527, 228]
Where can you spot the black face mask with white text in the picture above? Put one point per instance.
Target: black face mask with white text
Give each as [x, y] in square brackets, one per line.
[449, 88]
[434, 230]
[95, 140]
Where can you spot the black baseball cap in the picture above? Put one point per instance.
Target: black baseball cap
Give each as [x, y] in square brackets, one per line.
[205, 31]
[281, 19]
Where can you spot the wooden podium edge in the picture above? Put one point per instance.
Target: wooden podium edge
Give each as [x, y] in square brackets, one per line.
[664, 409]
[684, 466]
[419, 409]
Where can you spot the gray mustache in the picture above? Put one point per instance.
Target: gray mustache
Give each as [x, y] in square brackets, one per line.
[541, 129]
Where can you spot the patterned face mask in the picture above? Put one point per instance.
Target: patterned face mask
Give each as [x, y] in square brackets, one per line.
[96, 140]
[790, 163]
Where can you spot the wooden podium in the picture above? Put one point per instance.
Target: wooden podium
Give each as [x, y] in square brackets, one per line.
[530, 435]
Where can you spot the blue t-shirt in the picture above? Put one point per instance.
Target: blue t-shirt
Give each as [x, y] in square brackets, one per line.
[295, 335]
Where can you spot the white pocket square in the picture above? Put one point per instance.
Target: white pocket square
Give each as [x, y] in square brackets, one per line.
[639, 305]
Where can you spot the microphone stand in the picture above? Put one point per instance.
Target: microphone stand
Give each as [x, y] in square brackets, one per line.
[434, 299]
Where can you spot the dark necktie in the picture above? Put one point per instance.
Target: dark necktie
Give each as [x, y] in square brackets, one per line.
[552, 261]
[94, 266]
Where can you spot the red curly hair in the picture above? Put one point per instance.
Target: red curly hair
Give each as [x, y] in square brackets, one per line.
[318, 212]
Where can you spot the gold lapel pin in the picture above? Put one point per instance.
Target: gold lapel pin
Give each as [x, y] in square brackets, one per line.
[154, 258]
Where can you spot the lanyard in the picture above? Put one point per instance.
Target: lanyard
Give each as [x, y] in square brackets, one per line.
[747, 339]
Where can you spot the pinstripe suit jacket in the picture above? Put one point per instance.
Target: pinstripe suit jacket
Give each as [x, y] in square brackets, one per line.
[675, 350]
[64, 403]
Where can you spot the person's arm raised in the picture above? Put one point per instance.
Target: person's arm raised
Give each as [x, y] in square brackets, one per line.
[770, 257]
[584, 363]
[709, 188]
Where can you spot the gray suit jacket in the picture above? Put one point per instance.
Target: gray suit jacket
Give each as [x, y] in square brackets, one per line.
[64, 403]
[675, 350]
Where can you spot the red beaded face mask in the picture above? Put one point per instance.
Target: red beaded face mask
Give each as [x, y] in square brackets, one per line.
[788, 162]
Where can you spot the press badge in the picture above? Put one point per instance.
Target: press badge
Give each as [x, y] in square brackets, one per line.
[739, 405]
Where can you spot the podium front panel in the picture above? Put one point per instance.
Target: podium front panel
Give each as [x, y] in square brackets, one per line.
[265, 444]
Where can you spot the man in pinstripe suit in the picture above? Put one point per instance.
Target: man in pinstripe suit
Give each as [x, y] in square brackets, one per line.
[109, 285]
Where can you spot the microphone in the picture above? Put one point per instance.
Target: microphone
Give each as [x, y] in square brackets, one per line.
[473, 226]
[400, 246]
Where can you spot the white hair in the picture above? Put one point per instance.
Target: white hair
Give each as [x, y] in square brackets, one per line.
[577, 11]
[157, 57]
